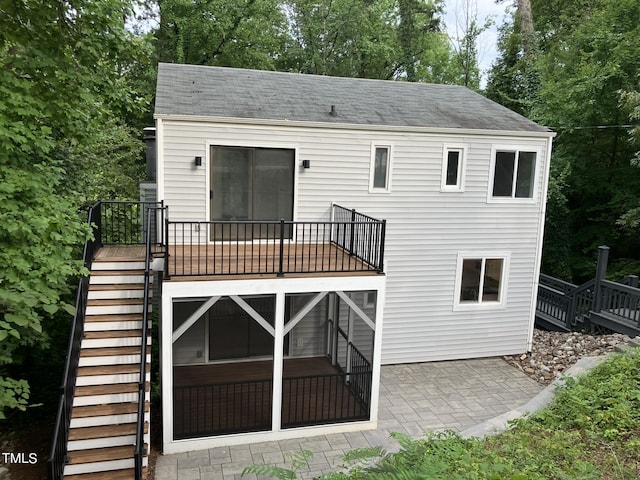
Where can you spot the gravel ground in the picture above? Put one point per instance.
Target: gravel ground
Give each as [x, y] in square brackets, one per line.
[554, 352]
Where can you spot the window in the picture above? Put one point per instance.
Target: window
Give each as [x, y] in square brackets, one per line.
[481, 280]
[513, 174]
[380, 180]
[453, 163]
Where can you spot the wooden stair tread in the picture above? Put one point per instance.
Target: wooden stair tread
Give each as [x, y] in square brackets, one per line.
[105, 431]
[132, 258]
[107, 287]
[108, 409]
[110, 369]
[108, 302]
[117, 272]
[89, 390]
[109, 351]
[112, 334]
[115, 317]
[124, 474]
[101, 454]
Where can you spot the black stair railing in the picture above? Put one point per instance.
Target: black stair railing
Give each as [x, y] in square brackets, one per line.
[140, 451]
[572, 306]
[58, 453]
[111, 223]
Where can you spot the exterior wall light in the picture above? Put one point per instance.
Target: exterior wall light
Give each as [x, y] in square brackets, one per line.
[198, 161]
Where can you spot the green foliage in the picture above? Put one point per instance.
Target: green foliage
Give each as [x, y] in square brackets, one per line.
[63, 74]
[247, 33]
[384, 39]
[605, 405]
[14, 394]
[109, 165]
[39, 231]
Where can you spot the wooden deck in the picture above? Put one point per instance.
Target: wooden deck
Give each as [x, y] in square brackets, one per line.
[237, 397]
[249, 260]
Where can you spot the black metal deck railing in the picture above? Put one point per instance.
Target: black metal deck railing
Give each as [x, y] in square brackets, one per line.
[325, 399]
[246, 406]
[127, 223]
[352, 242]
[222, 408]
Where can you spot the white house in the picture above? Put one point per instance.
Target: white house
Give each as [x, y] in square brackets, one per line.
[281, 302]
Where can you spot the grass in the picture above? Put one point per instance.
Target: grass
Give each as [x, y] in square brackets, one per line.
[590, 431]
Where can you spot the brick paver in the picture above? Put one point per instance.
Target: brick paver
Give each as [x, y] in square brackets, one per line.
[414, 398]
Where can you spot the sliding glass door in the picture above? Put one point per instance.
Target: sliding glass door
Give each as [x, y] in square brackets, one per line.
[250, 184]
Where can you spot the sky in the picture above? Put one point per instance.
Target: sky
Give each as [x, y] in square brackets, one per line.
[487, 49]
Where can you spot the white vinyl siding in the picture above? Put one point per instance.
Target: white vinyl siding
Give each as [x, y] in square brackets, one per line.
[426, 228]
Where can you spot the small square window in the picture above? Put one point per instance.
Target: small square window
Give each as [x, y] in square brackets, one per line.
[514, 174]
[453, 168]
[380, 169]
[481, 280]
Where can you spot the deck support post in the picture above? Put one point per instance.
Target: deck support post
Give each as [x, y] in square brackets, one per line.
[601, 273]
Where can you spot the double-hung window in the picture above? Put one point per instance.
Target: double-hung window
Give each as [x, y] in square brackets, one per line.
[380, 175]
[513, 173]
[481, 280]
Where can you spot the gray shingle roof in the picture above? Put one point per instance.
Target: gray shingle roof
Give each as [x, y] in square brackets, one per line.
[253, 94]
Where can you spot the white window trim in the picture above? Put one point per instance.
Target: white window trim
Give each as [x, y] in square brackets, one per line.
[462, 165]
[504, 281]
[492, 167]
[372, 167]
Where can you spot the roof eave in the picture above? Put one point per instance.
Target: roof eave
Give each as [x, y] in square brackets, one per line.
[354, 126]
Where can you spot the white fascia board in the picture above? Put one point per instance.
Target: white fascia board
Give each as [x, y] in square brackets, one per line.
[204, 288]
[352, 126]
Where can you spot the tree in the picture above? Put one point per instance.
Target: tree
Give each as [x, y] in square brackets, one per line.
[60, 81]
[464, 43]
[586, 54]
[245, 33]
[344, 38]
[590, 55]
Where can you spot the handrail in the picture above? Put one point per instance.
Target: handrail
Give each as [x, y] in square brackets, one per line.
[58, 453]
[140, 451]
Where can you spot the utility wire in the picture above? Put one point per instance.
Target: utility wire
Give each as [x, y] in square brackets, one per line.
[596, 127]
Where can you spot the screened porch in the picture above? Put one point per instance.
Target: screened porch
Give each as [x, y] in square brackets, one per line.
[224, 362]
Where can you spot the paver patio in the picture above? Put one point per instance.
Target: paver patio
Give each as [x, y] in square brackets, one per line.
[414, 398]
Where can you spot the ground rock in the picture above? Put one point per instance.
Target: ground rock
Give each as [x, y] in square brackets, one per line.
[554, 352]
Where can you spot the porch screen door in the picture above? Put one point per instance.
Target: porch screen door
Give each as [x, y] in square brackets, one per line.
[254, 184]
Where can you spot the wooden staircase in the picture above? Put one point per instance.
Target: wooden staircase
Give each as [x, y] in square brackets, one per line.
[102, 434]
